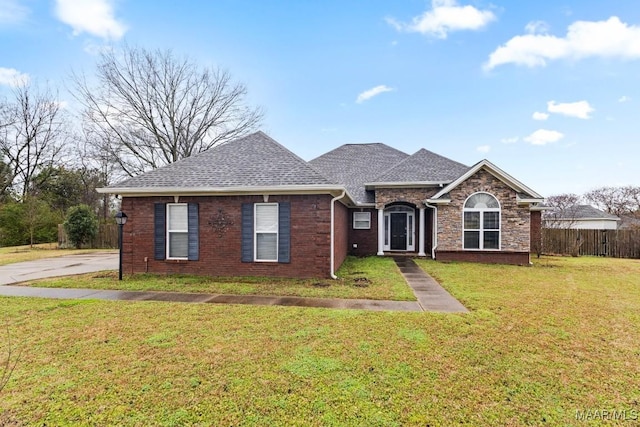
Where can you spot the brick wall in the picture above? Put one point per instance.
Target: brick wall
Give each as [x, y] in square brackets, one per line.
[220, 256]
[515, 219]
[367, 240]
[536, 231]
[341, 234]
[485, 257]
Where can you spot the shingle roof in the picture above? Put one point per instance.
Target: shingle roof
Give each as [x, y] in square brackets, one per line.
[253, 161]
[581, 212]
[424, 166]
[353, 165]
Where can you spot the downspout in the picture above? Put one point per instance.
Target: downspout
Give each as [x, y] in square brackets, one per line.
[435, 229]
[333, 237]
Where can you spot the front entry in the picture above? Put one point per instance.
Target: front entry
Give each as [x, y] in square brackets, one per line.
[399, 230]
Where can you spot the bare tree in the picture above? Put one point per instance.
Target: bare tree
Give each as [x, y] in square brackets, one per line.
[619, 201]
[150, 108]
[563, 210]
[33, 134]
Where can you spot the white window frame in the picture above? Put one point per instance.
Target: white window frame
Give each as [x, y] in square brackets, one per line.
[170, 231]
[364, 217]
[256, 231]
[482, 230]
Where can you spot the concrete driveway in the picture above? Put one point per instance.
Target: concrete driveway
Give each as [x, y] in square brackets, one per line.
[59, 266]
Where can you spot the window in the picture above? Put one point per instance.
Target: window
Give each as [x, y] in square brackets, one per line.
[481, 222]
[362, 220]
[266, 232]
[177, 231]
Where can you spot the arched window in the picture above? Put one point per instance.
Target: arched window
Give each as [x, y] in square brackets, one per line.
[481, 222]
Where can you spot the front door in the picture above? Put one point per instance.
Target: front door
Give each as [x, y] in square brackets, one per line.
[398, 231]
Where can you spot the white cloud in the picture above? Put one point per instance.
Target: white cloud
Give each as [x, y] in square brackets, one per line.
[580, 109]
[611, 38]
[511, 140]
[624, 98]
[12, 12]
[484, 148]
[95, 17]
[444, 17]
[537, 27]
[544, 137]
[370, 93]
[13, 77]
[539, 116]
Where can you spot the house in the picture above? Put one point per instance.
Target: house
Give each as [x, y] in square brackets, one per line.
[251, 207]
[581, 217]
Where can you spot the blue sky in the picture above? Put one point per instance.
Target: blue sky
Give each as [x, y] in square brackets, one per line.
[549, 91]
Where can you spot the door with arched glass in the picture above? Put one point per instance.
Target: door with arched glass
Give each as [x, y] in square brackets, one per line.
[399, 228]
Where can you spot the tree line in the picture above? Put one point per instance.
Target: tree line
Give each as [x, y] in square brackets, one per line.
[621, 201]
[141, 109]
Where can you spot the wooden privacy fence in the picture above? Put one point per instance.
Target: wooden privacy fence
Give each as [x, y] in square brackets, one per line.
[611, 243]
[107, 238]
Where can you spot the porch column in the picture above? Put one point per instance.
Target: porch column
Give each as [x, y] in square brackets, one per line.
[422, 230]
[381, 231]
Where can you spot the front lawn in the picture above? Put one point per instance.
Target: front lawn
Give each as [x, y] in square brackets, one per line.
[546, 345]
[367, 278]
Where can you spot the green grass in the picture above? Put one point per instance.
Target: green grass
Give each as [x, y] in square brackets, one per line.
[13, 254]
[539, 344]
[369, 278]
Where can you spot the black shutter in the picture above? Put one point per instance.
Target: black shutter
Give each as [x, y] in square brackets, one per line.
[159, 231]
[247, 232]
[284, 232]
[193, 238]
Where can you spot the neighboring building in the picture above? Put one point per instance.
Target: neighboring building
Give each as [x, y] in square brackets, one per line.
[581, 217]
[251, 207]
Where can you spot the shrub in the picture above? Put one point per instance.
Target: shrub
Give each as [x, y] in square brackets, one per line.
[81, 225]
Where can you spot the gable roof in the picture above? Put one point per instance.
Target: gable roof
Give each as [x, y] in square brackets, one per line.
[424, 166]
[353, 165]
[524, 193]
[252, 162]
[581, 212]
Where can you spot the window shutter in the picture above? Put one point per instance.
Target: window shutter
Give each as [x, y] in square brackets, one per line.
[247, 232]
[194, 241]
[159, 230]
[284, 232]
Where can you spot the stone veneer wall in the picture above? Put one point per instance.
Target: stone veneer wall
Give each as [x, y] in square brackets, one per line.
[514, 219]
[385, 196]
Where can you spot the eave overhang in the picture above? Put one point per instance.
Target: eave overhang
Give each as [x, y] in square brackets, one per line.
[495, 171]
[408, 184]
[437, 201]
[227, 191]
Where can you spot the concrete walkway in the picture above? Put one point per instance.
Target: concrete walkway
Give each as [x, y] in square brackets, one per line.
[68, 265]
[431, 296]
[361, 304]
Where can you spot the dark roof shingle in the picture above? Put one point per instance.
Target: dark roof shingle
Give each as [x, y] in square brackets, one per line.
[424, 166]
[353, 165]
[255, 160]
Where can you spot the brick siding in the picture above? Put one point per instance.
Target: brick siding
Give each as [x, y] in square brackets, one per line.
[221, 256]
[366, 240]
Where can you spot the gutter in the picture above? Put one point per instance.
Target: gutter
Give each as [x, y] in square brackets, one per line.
[435, 229]
[333, 237]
